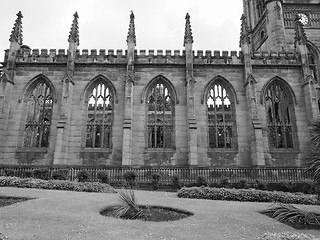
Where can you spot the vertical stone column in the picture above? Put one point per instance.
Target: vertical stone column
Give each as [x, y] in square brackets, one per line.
[275, 25]
[63, 126]
[7, 81]
[129, 88]
[308, 82]
[5, 100]
[127, 124]
[190, 82]
[254, 125]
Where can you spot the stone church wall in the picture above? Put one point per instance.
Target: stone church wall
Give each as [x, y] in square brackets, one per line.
[273, 50]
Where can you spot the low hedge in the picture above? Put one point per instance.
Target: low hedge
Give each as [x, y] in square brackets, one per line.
[246, 195]
[64, 185]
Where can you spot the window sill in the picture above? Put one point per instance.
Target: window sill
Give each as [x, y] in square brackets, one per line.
[160, 150]
[96, 150]
[223, 150]
[284, 150]
[37, 150]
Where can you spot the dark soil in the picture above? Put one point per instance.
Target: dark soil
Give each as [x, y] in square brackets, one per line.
[155, 213]
[296, 225]
[7, 200]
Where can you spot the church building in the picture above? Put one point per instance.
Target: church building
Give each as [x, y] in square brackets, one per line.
[190, 108]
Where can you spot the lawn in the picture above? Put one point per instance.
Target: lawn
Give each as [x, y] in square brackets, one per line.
[75, 215]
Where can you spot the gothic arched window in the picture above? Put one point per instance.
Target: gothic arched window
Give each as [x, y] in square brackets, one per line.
[160, 117]
[279, 110]
[221, 116]
[99, 116]
[38, 116]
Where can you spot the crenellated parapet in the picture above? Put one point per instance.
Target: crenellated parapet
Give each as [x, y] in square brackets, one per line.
[142, 56]
[101, 56]
[275, 58]
[160, 56]
[217, 57]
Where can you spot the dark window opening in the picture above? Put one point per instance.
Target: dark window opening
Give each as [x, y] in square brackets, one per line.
[160, 120]
[220, 118]
[99, 117]
[38, 117]
[279, 117]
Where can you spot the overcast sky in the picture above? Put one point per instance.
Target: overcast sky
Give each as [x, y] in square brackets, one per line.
[103, 24]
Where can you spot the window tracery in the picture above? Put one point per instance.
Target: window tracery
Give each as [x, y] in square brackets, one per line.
[99, 117]
[160, 117]
[38, 116]
[220, 113]
[279, 111]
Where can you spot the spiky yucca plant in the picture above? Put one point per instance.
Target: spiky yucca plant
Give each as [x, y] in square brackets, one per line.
[289, 213]
[129, 208]
[313, 166]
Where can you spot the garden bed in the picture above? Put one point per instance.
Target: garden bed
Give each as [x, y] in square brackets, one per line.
[247, 195]
[8, 200]
[154, 213]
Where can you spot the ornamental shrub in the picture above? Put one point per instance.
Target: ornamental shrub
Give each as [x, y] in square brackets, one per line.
[83, 176]
[130, 177]
[155, 180]
[224, 182]
[29, 173]
[285, 186]
[103, 176]
[59, 175]
[64, 185]
[261, 185]
[9, 172]
[42, 173]
[176, 182]
[306, 186]
[201, 181]
[246, 195]
[243, 183]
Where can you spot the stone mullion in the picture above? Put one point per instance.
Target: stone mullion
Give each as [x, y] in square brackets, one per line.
[41, 119]
[103, 119]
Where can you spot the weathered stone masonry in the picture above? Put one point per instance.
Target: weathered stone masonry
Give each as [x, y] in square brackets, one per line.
[171, 108]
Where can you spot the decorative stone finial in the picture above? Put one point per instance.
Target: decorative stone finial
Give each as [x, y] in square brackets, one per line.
[299, 35]
[244, 32]
[74, 31]
[188, 32]
[16, 34]
[131, 33]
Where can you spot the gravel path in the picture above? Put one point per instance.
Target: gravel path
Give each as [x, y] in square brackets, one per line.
[60, 215]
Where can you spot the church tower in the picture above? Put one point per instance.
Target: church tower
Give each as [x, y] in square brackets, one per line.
[272, 22]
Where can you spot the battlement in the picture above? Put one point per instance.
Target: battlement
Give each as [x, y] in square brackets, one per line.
[281, 57]
[154, 56]
[120, 56]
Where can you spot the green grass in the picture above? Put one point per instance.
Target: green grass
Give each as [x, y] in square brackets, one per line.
[76, 215]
